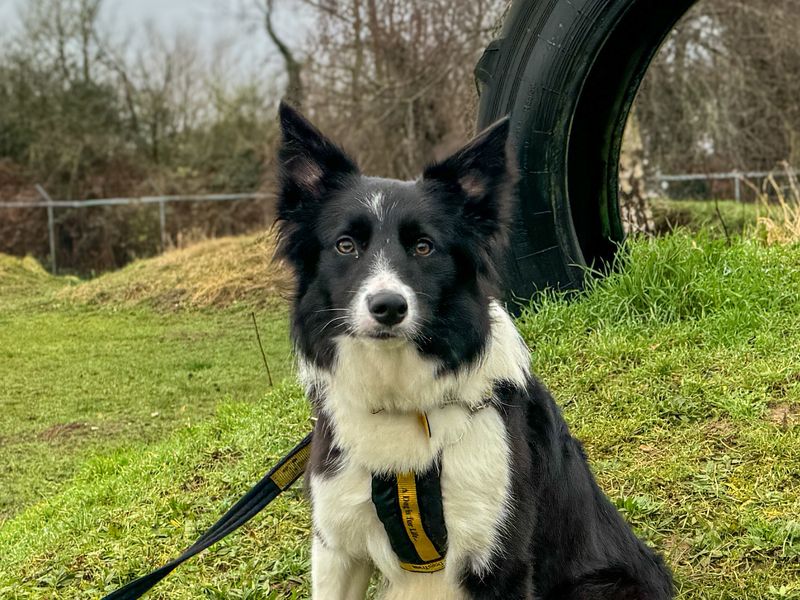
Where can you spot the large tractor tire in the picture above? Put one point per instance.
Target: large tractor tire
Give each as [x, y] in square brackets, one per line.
[567, 72]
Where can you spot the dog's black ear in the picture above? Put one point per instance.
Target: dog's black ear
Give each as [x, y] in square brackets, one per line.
[480, 178]
[310, 165]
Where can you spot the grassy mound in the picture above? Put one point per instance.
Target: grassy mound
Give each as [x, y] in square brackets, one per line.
[20, 274]
[25, 283]
[681, 373]
[218, 273]
[14, 270]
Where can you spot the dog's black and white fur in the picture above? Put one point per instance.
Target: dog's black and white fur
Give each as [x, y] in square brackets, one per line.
[396, 315]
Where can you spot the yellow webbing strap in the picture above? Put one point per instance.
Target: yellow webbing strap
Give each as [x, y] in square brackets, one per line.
[294, 466]
[412, 521]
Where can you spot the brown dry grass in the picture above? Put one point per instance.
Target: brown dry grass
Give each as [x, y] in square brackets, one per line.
[779, 209]
[224, 272]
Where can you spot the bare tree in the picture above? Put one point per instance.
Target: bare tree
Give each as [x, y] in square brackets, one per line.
[393, 79]
[294, 88]
[635, 211]
[722, 93]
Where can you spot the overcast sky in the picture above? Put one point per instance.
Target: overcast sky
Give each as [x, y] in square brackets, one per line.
[214, 21]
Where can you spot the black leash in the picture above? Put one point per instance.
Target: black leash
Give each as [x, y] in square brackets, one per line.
[280, 478]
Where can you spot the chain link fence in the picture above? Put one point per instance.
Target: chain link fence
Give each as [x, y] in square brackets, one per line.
[52, 206]
[733, 185]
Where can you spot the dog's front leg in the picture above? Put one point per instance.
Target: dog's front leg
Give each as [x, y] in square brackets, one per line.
[336, 576]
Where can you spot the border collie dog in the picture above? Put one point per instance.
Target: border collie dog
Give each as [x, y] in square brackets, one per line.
[418, 378]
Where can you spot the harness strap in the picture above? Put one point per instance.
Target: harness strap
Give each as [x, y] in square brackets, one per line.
[410, 508]
[279, 479]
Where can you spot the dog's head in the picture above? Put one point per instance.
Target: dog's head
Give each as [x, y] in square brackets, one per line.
[393, 262]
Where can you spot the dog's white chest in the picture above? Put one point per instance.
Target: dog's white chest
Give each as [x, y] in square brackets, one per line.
[475, 477]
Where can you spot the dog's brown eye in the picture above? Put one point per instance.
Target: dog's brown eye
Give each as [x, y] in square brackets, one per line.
[423, 247]
[345, 245]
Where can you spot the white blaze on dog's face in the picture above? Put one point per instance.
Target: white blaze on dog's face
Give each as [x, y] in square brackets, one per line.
[384, 307]
[387, 261]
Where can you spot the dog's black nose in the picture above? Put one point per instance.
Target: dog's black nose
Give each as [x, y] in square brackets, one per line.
[388, 308]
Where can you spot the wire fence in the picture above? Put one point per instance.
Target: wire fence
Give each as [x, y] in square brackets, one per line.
[707, 185]
[686, 185]
[51, 206]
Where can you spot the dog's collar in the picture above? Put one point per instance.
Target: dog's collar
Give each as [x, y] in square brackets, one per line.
[485, 403]
[487, 400]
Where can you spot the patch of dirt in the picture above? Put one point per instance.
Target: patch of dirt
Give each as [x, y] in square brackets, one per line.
[222, 456]
[720, 428]
[184, 336]
[677, 547]
[721, 434]
[194, 483]
[781, 388]
[784, 415]
[62, 431]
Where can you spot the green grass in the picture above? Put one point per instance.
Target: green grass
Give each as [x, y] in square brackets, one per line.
[85, 376]
[681, 373]
[130, 510]
[76, 381]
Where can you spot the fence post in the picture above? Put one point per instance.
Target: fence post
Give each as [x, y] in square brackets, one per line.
[737, 186]
[162, 222]
[51, 227]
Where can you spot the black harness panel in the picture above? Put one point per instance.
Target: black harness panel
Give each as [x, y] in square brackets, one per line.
[410, 507]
